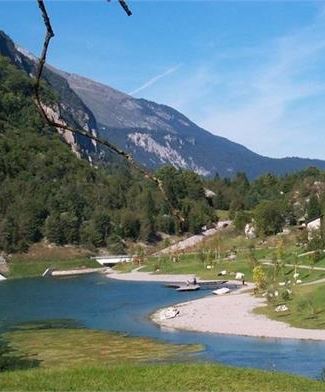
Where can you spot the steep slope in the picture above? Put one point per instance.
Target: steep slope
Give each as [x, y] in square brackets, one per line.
[158, 134]
[70, 110]
[155, 134]
[47, 192]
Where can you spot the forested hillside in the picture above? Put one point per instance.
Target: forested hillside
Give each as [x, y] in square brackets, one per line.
[273, 202]
[47, 192]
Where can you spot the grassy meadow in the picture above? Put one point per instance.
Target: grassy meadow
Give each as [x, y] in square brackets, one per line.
[173, 377]
[77, 359]
[306, 308]
[40, 257]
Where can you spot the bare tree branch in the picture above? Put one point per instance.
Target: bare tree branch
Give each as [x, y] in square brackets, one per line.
[125, 7]
[79, 131]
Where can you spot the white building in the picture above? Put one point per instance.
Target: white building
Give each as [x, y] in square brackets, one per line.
[313, 226]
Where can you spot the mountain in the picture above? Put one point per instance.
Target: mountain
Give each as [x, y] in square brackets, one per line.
[47, 192]
[70, 109]
[158, 134]
[154, 134]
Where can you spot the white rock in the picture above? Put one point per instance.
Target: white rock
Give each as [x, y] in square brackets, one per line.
[250, 231]
[281, 308]
[169, 313]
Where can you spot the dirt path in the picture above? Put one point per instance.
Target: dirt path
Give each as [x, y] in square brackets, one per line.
[195, 239]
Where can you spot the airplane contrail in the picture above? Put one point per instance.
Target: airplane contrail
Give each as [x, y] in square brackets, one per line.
[153, 80]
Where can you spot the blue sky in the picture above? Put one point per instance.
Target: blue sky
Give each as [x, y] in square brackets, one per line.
[253, 72]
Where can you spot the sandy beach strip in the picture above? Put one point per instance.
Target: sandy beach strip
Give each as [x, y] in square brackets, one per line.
[233, 315]
[139, 276]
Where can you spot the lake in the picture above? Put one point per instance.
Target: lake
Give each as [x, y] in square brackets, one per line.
[101, 303]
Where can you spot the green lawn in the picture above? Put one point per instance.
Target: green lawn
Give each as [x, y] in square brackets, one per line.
[306, 308]
[42, 256]
[23, 268]
[175, 377]
[125, 267]
[191, 264]
[78, 359]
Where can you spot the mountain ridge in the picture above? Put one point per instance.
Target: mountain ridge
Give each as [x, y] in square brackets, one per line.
[129, 123]
[155, 134]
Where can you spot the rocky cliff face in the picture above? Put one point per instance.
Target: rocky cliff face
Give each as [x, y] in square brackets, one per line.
[69, 110]
[154, 134]
[158, 134]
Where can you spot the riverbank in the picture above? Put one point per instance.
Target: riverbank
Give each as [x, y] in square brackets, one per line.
[233, 314]
[140, 276]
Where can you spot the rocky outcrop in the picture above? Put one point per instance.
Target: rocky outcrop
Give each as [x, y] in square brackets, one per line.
[154, 134]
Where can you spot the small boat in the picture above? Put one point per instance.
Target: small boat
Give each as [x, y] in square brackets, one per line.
[222, 291]
[191, 287]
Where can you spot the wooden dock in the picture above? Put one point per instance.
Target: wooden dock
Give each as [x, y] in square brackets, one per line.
[202, 284]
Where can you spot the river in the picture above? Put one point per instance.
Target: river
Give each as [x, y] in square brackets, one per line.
[101, 303]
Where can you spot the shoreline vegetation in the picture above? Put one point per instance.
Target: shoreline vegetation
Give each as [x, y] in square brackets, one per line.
[98, 360]
[304, 320]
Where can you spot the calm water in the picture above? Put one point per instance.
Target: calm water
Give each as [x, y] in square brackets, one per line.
[100, 303]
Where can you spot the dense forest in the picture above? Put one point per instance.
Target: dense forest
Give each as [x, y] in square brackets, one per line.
[46, 191]
[271, 201]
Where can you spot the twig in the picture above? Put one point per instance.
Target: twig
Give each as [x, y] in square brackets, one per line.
[79, 131]
[125, 7]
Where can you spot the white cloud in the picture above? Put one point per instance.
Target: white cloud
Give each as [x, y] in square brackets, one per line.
[270, 116]
[270, 98]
